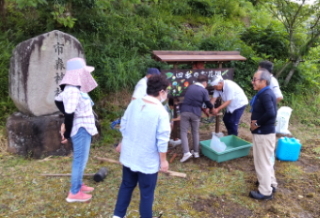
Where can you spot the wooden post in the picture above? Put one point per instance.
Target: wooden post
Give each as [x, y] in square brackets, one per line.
[218, 103]
[176, 124]
[198, 65]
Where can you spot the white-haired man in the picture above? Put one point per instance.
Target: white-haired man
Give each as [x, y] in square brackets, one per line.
[263, 117]
[234, 100]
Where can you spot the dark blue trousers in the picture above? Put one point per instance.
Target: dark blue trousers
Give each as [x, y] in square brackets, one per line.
[231, 120]
[147, 185]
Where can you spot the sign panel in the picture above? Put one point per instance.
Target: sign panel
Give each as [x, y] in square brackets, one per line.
[181, 79]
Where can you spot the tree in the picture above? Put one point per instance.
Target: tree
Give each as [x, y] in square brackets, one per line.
[302, 23]
[269, 41]
[2, 10]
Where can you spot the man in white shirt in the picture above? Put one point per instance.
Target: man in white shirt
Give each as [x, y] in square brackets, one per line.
[140, 89]
[274, 84]
[234, 100]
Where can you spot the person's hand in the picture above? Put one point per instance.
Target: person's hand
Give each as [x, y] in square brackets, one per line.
[164, 166]
[62, 131]
[214, 111]
[206, 111]
[253, 125]
[118, 148]
[64, 141]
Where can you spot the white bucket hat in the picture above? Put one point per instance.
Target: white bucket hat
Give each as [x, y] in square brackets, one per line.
[216, 80]
[79, 74]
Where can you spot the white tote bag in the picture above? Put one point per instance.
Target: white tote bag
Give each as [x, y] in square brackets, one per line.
[282, 121]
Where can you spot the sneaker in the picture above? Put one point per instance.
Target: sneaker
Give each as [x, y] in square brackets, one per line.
[86, 189]
[186, 157]
[257, 195]
[79, 197]
[174, 143]
[274, 190]
[177, 142]
[196, 154]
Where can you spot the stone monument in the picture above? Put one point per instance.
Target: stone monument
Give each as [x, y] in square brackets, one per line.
[36, 68]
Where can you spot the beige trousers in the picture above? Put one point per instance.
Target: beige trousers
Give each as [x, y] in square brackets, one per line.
[263, 155]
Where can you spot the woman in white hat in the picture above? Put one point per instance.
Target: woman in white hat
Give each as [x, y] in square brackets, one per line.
[79, 124]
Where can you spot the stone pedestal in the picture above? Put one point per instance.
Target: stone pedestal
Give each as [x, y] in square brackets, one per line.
[36, 137]
[37, 66]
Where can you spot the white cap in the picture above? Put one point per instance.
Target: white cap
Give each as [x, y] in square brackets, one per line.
[216, 80]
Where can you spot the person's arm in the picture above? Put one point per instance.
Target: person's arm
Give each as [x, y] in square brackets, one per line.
[279, 99]
[213, 100]
[118, 148]
[140, 89]
[62, 131]
[225, 104]
[124, 119]
[208, 104]
[228, 96]
[122, 129]
[60, 106]
[163, 136]
[70, 102]
[164, 165]
[68, 122]
[274, 85]
[176, 119]
[206, 99]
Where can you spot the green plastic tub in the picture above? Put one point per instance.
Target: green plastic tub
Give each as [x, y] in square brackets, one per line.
[236, 147]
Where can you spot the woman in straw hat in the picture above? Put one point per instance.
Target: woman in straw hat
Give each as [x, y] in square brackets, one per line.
[79, 124]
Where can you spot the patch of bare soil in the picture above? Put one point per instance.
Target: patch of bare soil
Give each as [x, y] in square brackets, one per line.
[309, 165]
[221, 207]
[298, 191]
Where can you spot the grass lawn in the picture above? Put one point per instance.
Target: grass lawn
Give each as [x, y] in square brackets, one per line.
[210, 190]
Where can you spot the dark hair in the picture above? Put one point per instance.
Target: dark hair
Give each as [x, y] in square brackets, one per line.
[155, 84]
[202, 78]
[170, 101]
[266, 65]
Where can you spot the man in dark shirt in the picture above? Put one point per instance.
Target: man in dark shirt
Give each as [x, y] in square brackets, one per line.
[263, 117]
[190, 114]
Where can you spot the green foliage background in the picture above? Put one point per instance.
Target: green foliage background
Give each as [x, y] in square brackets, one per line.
[118, 37]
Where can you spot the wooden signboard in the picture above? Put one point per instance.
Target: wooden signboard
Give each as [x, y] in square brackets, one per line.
[181, 79]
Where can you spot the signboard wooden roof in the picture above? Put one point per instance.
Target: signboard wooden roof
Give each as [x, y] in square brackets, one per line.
[195, 56]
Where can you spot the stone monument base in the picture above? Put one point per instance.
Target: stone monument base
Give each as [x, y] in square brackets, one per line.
[36, 137]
